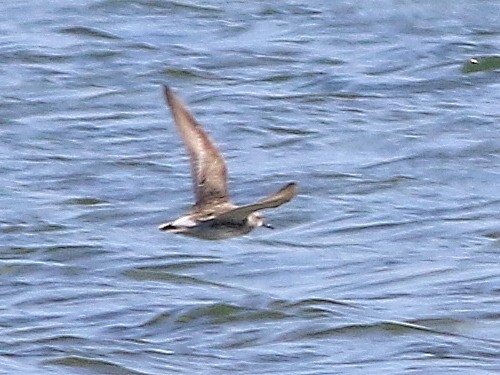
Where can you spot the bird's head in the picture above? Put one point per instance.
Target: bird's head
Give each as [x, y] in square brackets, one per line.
[256, 219]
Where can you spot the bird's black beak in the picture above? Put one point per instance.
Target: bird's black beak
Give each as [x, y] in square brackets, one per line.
[268, 226]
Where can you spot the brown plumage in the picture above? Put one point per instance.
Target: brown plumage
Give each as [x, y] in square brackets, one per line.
[213, 216]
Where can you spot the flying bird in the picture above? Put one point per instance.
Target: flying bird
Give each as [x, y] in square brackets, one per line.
[214, 216]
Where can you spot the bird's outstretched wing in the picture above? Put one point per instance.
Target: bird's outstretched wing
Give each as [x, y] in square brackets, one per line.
[284, 195]
[208, 168]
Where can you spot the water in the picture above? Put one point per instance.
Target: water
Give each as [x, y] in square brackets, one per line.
[387, 261]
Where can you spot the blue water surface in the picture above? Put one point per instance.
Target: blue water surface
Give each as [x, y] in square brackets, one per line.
[385, 263]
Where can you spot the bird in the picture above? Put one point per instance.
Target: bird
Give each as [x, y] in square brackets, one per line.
[214, 216]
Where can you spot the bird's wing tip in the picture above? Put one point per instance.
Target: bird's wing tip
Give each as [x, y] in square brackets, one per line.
[293, 187]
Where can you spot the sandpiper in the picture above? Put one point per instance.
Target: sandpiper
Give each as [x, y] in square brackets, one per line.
[214, 216]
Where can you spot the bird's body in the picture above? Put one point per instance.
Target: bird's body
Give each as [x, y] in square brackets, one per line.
[214, 216]
[206, 226]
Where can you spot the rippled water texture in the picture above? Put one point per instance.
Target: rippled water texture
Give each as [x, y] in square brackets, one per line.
[387, 115]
